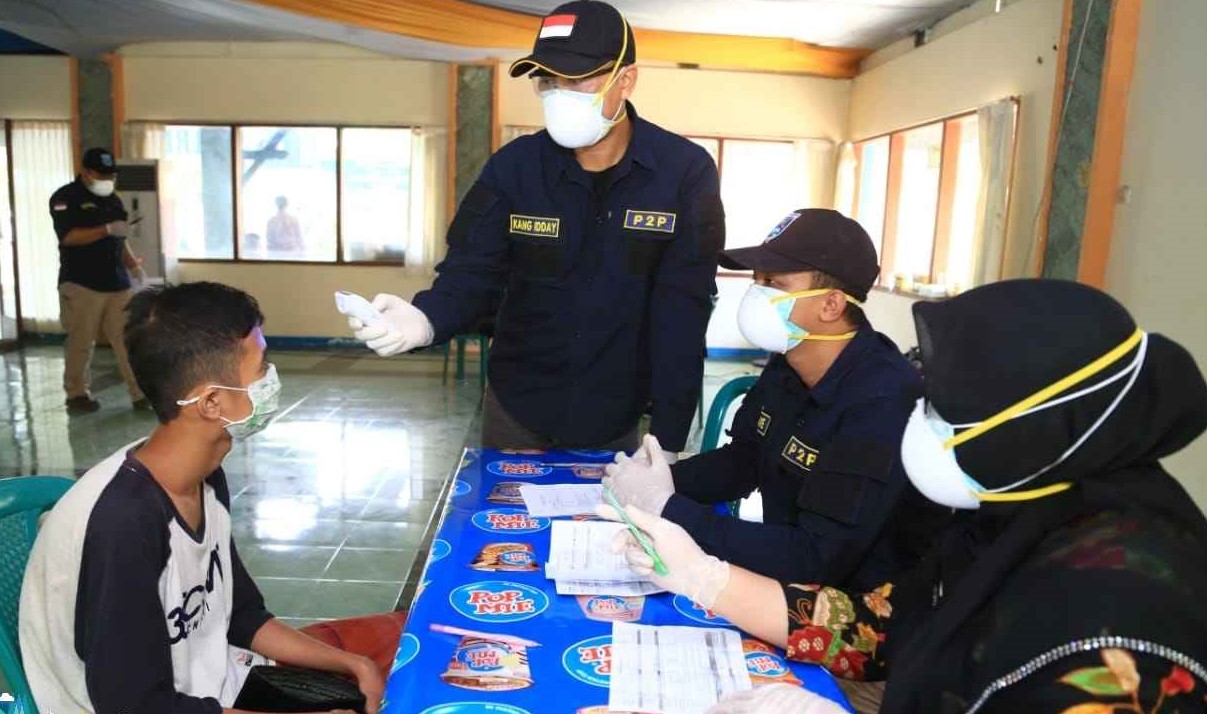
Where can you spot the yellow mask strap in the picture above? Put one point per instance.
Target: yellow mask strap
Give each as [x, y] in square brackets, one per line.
[624, 47]
[1047, 393]
[810, 293]
[1029, 495]
[826, 338]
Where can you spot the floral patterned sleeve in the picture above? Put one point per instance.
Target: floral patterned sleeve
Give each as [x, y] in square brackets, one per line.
[839, 631]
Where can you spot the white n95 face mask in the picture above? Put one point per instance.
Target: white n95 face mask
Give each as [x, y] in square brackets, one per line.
[575, 119]
[763, 319]
[928, 444]
[102, 187]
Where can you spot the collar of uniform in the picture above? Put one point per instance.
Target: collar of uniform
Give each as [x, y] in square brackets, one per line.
[640, 150]
[825, 392]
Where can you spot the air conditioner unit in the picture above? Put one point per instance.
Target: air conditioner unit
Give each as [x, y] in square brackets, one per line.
[138, 186]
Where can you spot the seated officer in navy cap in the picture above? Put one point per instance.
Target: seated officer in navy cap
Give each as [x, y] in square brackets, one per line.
[596, 243]
[820, 432]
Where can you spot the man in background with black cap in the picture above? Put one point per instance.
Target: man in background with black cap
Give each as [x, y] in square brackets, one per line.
[820, 432]
[595, 241]
[95, 263]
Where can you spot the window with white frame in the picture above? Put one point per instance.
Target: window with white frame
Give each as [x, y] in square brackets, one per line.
[284, 193]
[930, 200]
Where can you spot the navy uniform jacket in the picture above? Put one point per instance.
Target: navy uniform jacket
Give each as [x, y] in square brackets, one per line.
[603, 283]
[827, 461]
[98, 265]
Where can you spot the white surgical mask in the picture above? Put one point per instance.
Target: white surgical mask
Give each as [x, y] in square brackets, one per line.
[102, 187]
[928, 444]
[763, 318]
[263, 393]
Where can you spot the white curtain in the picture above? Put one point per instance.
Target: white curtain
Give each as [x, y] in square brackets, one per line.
[995, 124]
[42, 162]
[844, 180]
[813, 168]
[429, 173]
[142, 140]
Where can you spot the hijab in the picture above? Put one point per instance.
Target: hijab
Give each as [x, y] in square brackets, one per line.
[986, 350]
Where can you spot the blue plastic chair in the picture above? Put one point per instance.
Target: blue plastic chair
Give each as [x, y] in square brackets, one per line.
[730, 392]
[22, 500]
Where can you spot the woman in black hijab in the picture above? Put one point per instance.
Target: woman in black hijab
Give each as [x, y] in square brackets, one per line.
[1072, 576]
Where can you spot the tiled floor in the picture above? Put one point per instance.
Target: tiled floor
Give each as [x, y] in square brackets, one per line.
[330, 503]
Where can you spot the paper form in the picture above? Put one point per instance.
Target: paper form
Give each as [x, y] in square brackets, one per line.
[674, 670]
[582, 550]
[561, 499]
[607, 587]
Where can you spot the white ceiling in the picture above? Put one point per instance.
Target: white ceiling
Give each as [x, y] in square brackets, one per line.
[88, 28]
[833, 23]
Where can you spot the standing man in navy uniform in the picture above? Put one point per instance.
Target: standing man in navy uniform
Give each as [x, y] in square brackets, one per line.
[596, 243]
[95, 263]
[819, 434]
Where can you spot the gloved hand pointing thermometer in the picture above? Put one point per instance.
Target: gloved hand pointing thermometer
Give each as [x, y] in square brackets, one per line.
[689, 571]
[402, 327]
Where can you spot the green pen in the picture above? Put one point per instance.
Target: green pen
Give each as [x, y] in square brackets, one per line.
[646, 545]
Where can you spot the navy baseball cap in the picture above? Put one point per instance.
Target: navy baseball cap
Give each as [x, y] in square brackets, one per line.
[813, 239]
[99, 160]
[579, 39]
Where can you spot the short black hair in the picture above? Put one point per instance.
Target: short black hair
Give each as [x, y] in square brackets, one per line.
[854, 313]
[181, 336]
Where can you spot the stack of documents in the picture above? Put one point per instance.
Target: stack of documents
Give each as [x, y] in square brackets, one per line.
[581, 561]
[561, 499]
[674, 670]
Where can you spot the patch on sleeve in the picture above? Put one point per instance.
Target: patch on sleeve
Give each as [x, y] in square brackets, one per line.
[712, 225]
[59, 207]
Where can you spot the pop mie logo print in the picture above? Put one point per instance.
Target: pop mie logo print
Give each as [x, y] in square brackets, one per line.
[509, 520]
[498, 601]
[765, 665]
[519, 469]
[590, 661]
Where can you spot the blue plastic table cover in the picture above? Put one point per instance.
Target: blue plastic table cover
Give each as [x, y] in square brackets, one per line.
[570, 669]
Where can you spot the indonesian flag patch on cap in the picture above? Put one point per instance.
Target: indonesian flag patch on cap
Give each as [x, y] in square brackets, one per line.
[557, 26]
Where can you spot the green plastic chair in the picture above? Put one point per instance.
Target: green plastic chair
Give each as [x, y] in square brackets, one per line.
[22, 500]
[482, 333]
[731, 391]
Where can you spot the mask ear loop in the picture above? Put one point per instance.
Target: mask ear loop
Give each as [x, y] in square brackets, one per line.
[615, 74]
[1134, 370]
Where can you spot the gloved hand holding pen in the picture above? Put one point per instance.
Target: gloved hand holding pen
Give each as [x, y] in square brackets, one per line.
[690, 571]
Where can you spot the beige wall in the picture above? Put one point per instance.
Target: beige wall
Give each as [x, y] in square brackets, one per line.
[1159, 252]
[303, 83]
[35, 87]
[714, 103]
[985, 58]
[281, 82]
[298, 300]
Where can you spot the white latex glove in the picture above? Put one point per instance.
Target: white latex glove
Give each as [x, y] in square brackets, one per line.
[672, 457]
[117, 228]
[775, 699]
[403, 327]
[690, 571]
[644, 479]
